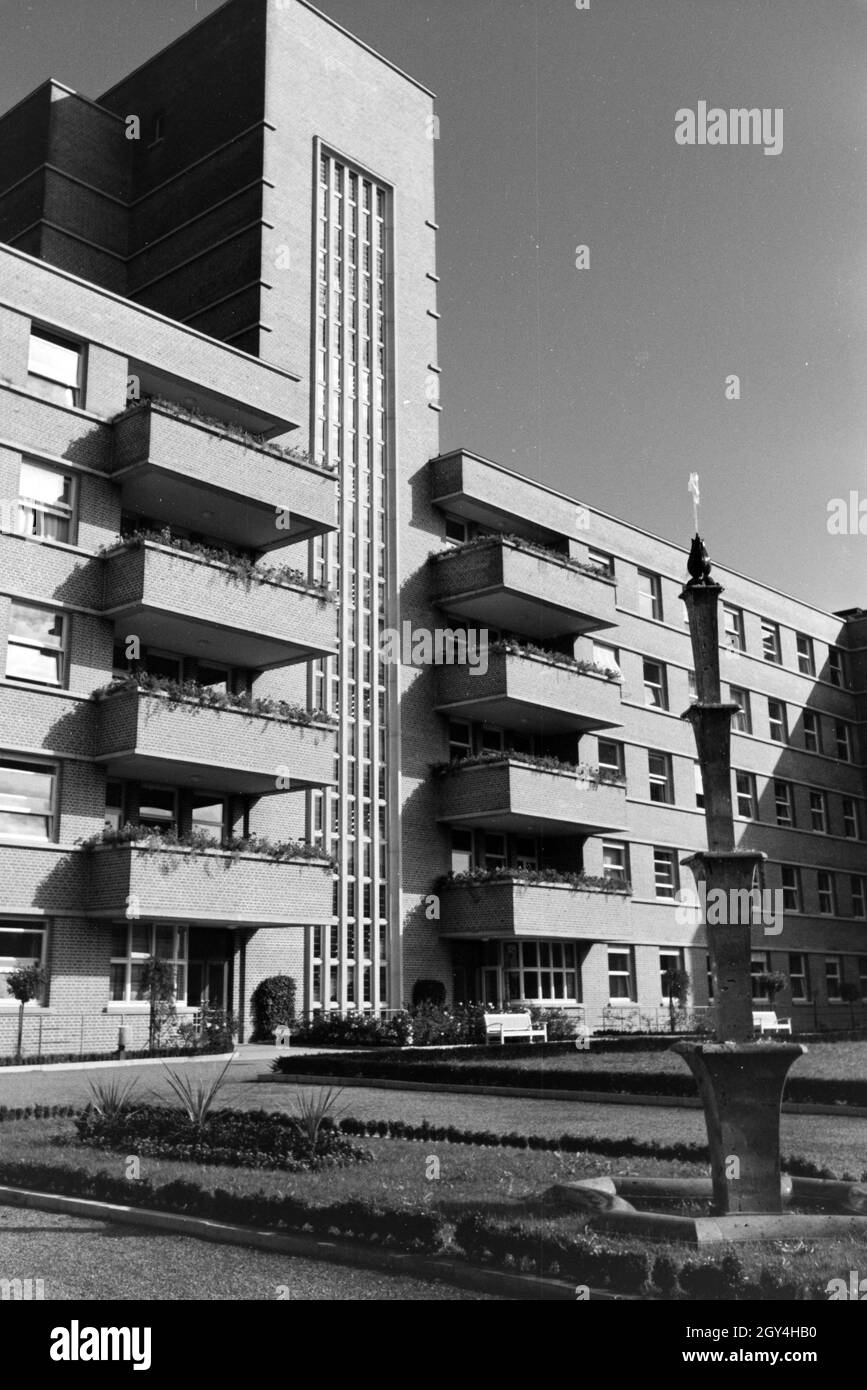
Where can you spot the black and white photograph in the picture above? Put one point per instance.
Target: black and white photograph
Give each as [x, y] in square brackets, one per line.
[433, 670]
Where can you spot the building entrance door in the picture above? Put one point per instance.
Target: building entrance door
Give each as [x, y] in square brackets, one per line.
[208, 984]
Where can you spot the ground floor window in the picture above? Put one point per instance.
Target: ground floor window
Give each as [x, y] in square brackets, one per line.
[671, 959]
[621, 976]
[833, 978]
[541, 972]
[759, 965]
[20, 945]
[799, 978]
[133, 944]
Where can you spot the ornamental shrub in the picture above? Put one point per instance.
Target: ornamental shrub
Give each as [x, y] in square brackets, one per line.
[273, 1005]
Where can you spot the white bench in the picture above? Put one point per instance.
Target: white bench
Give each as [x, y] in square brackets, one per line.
[282, 1034]
[502, 1026]
[766, 1021]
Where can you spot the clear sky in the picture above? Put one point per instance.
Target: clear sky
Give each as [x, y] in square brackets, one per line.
[558, 129]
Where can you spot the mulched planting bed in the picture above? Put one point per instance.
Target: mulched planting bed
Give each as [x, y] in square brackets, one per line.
[481, 1202]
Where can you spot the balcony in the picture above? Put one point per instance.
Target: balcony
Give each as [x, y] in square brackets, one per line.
[146, 736]
[213, 481]
[208, 886]
[527, 799]
[504, 583]
[492, 496]
[521, 690]
[503, 908]
[185, 603]
[43, 877]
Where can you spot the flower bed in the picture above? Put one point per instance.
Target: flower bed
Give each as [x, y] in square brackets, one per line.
[154, 841]
[587, 883]
[242, 1138]
[179, 693]
[240, 566]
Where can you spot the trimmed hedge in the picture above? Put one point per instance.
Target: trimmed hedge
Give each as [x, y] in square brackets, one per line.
[397, 1066]
[54, 1058]
[403, 1228]
[37, 1112]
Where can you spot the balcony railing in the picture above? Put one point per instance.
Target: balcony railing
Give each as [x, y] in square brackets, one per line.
[529, 798]
[505, 583]
[207, 886]
[524, 690]
[212, 480]
[514, 903]
[143, 735]
[177, 600]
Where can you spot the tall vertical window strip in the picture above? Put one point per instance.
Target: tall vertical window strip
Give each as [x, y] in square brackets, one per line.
[350, 433]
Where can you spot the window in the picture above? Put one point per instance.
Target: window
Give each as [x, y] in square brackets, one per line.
[806, 656]
[777, 720]
[799, 978]
[709, 980]
[134, 943]
[606, 657]
[811, 731]
[539, 971]
[495, 851]
[208, 817]
[54, 368]
[859, 897]
[818, 813]
[456, 531]
[733, 628]
[526, 852]
[669, 959]
[842, 741]
[661, 781]
[655, 685]
[45, 502]
[158, 808]
[850, 818]
[835, 667]
[759, 966]
[649, 595]
[745, 789]
[833, 978]
[462, 851]
[460, 741]
[699, 785]
[825, 885]
[27, 795]
[665, 872]
[20, 945]
[611, 757]
[621, 977]
[771, 641]
[113, 806]
[492, 740]
[783, 803]
[692, 688]
[742, 722]
[35, 651]
[614, 861]
[602, 562]
[792, 892]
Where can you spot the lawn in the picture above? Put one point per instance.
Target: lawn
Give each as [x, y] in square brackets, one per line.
[506, 1184]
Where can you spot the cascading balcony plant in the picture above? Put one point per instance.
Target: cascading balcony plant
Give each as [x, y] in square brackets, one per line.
[507, 874]
[545, 552]
[178, 694]
[227, 428]
[155, 841]
[240, 566]
[512, 647]
[595, 776]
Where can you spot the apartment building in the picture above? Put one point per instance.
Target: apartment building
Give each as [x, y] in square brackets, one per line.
[591, 666]
[221, 484]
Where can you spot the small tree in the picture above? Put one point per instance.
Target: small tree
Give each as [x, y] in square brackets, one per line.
[273, 1004]
[851, 995]
[24, 985]
[676, 984]
[158, 987]
[772, 983]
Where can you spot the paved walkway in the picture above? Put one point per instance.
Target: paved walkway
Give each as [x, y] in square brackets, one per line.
[80, 1259]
